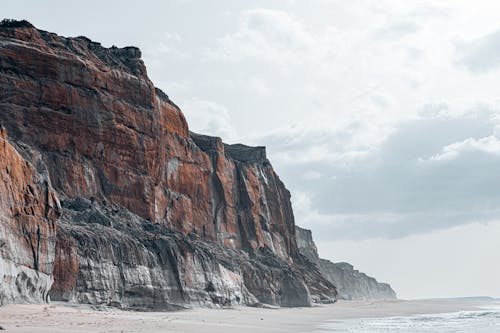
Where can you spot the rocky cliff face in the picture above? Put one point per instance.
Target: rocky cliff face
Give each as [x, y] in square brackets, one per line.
[351, 284]
[29, 209]
[306, 245]
[152, 215]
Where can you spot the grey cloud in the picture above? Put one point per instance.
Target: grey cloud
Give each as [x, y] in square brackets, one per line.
[480, 55]
[359, 227]
[397, 189]
[396, 30]
[430, 12]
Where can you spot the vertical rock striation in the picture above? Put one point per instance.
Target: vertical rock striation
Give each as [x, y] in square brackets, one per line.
[29, 209]
[152, 216]
[350, 283]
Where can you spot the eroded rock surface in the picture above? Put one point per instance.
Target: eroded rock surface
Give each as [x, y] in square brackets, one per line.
[153, 216]
[29, 209]
[350, 283]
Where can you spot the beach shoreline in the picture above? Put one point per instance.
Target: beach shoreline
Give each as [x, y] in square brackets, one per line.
[61, 317]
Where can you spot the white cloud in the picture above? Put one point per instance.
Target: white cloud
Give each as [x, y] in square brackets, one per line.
[312, 175]
[259, 85]
[207, 117]
[321, 140]
[396, 30]
[280, 38]
[268, 35]
[169, 45]
[301, 201]
[489, 144]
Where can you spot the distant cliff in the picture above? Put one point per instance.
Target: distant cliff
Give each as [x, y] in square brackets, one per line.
[106, 197]
[350, 283]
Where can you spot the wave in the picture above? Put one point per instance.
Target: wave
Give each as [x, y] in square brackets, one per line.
[483, 321]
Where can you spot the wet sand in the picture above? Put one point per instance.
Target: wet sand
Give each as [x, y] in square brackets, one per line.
[60, 317]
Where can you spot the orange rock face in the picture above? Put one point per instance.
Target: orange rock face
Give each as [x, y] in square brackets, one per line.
[106, 133]
[28, 213]
[99, 130]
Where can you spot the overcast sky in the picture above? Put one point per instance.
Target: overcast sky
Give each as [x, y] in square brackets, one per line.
[381, 117]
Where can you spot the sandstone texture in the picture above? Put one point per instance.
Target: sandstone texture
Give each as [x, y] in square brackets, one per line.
[106, 197]
[351, 284]
[29, 209]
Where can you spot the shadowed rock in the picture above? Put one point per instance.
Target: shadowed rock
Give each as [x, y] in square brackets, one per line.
[350, 283]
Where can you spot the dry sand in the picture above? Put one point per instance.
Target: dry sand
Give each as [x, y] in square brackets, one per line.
[55, 318]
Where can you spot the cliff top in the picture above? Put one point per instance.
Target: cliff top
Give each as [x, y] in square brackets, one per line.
[125, 58]
[238, 151]
[11, 23]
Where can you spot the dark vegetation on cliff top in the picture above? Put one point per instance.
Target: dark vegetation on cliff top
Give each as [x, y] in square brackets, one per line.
[11, 23]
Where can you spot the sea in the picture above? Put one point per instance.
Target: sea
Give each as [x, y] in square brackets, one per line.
[484, 320]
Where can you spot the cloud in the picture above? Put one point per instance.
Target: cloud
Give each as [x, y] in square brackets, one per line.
[428, 11]
[266, 34]
[480, 55]
[322, 139]
[360, 107]
[489, 145]
[257, 85]
[396, 30]
[312, 175]
[432, 172]
[273, 36]
[169, 45]
[207, 117]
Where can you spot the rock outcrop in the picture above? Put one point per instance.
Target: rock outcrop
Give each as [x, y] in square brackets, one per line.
[351, 284]
[151, 215]
[306, 245]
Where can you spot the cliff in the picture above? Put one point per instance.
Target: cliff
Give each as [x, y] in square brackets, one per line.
[114, 201]
[350, 283]
[353, 284]
[29, 209]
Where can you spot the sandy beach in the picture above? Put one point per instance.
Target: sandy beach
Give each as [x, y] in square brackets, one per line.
[60, 317]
